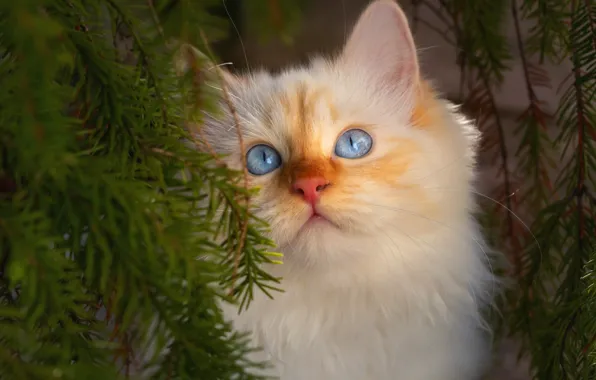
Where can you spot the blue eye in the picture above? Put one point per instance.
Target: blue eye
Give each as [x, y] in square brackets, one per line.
[262, 159]
[354, 143]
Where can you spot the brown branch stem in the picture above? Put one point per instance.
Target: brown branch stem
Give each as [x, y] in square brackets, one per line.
[442, 33]
[437, 12]
[581, 130]
[534, 111]
[520, 45]
[156, 18]
[587, 347]
[232, 109]
[592, 22]
[415, 7]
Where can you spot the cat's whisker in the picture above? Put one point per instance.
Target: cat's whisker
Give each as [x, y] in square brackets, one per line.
[343, 8]
[516, 216]
[478, 243]
[223, 2]
[220, 65]
[475, 298]
[393, 242]
[451, 163]
[214, 87]
[423, 49]
[222, 90]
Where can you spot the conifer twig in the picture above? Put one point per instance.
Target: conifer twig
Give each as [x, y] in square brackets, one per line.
[441, 33]
[437, 12]
[532, 77]
[196, 83]
[591, 22]
[155, 18]
[492, 105]
[415, 17]
[276, 14]
[520, 46]
[232, 109]
[581, 126]
[144, 55]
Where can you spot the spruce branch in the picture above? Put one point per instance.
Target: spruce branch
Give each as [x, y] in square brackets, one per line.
[143, 51]
[549, 35]
[510, 231]
[485, 51]
[554, 266]
[591, 23]
[276, 15]
[534, 145]
[520, 45]
[244, 220]
[415, 15]
[101, 221]
[443, 33]
[155, 19]
[437, 12]
[247, 263]
[583, 125]
[567, 235]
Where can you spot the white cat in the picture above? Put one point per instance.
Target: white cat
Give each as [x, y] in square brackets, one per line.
[367, 182]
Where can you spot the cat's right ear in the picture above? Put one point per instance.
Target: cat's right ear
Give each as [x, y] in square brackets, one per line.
[189, 58]
[381, 46]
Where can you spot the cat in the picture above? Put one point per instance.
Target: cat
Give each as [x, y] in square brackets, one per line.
[367, 180]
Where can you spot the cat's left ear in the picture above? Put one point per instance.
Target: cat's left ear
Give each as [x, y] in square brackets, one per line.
[381, 45]
[187, 57]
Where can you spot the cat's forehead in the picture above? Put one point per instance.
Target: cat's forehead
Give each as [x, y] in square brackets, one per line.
[298, 114]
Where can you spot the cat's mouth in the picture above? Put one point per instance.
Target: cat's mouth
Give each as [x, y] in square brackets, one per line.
[317, 218]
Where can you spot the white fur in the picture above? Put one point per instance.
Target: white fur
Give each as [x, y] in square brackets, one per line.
[397, 293]
[400, 303]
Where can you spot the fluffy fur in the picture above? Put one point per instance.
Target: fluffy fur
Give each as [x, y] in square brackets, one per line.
[393, 286]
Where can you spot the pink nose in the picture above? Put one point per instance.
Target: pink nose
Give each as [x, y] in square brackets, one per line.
[310, 188]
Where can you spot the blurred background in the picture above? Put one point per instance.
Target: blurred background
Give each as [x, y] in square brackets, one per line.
[99, 114]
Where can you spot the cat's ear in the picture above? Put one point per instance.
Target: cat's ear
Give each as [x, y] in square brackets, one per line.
[189, 57]
[382, 46]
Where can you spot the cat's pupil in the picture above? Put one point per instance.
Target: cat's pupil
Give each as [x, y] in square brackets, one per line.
[267, 158]
[353, 143]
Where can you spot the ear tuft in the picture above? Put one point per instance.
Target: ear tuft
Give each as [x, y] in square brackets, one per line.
[381, 43]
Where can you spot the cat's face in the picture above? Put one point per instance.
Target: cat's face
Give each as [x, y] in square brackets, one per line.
[349, 150]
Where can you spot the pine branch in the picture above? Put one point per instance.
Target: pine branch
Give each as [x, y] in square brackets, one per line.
[533, 148]
[561, 275]
[107, 213]
[244, 220]
[560, 255]
[591, 24]
[443, 33]
[437, 12]
[549, 35]
[415, 15]
[484, 50]
[582, 127]
[143, 51]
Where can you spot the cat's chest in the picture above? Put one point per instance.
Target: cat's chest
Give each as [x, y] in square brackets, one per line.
[355, 335]
[326, 337]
